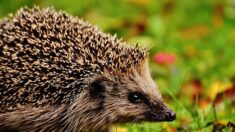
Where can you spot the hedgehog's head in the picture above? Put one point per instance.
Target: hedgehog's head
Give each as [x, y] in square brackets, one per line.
[132, 98]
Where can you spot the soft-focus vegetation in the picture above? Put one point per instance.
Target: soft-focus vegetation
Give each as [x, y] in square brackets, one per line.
[192, 55]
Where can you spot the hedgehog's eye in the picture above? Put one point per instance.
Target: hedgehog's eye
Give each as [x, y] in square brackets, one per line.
[135, 97]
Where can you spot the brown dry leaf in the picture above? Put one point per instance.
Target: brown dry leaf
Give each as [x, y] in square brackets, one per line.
[139, 2]
[229, 94]
[216, 88]
[219, 126]
[195, 32]
[218, 15]
[190, 51]
[203, 103]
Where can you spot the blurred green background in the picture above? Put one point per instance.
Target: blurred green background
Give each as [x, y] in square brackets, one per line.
[192, 52]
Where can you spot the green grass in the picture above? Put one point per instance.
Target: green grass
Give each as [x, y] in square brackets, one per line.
[200, 33]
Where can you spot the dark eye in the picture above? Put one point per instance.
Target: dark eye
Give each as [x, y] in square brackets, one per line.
[135, 97]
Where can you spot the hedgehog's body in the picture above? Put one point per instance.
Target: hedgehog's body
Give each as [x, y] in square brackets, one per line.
[61, 73]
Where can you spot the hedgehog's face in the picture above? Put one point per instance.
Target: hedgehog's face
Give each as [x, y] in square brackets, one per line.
[133, 99]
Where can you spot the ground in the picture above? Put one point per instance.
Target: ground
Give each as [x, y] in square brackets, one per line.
[191, 56]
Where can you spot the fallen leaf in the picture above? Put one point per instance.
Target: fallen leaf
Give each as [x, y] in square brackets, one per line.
[218, 87]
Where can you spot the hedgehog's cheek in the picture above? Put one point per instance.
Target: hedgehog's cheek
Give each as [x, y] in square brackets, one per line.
[127, 113]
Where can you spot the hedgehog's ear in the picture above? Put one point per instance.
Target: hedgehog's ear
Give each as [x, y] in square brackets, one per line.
[97, 87]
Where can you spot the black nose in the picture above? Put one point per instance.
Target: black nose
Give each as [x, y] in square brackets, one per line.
[170, 116]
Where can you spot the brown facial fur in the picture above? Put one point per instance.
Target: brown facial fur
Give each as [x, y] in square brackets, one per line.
[60, 73]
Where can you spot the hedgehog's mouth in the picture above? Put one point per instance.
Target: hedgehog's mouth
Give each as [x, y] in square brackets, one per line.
[150, 117]
[160, 117]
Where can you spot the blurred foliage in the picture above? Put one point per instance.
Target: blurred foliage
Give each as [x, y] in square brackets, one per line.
[200, 35]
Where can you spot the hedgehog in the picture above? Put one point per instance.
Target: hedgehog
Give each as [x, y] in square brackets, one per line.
[61, 73]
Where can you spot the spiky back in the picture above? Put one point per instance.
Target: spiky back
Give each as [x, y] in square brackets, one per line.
[46, 55]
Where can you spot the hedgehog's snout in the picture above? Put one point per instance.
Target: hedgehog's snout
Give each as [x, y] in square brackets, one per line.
[170, 116]
[161, 113]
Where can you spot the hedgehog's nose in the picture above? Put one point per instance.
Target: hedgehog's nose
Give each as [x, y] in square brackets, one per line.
[170, 116]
